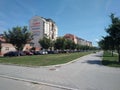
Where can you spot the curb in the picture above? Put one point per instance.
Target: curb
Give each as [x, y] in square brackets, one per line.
[38, 82]
[67, 62]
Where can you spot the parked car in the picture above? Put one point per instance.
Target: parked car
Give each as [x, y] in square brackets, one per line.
[50, 52]
[21, 53]
[53, 52]
[28, 53]
[43, 52]
[11, 53]
[36, 52]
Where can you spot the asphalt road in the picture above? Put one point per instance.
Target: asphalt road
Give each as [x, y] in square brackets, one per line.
[86, 73]
[10, 84]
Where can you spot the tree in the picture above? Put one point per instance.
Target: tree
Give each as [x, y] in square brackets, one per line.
[18, 36]
[77, 46]
[73, 45]
[112, 41]
[114, 31]
[109, 43]
[68, 44]
[45, 42]
[102, 45]
[60, 43]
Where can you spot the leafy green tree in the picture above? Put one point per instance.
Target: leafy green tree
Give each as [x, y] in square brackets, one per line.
[73, 46]
[68, 44]
[109, 43]
[112, 40]
[114, 32]
[77, 46]
[60, 43]
[82, 47]
[18, 36]
[45, 42]
[101, 44]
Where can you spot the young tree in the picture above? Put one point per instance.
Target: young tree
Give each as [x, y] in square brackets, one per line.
[60, 43]
[45, 42]
[68, 44]
[114, 32]
[77, 46]
[18, 36]
[73, 45]
[109, 43]
[112, 41]
[102, 44]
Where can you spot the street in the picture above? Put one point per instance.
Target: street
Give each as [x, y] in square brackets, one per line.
[86, 73]
[10, 84]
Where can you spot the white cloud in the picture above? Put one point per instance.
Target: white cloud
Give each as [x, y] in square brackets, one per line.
[97, 40]
[95, 43]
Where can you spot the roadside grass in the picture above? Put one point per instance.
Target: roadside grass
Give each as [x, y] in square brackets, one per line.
[109, 60]
[42, 60]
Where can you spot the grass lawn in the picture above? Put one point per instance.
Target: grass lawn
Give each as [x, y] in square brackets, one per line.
[110, 60]
[42, 60]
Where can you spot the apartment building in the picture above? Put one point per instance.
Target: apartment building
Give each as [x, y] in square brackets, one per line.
[78, 40]
[83, 42]
[41, 27]
[71, 37]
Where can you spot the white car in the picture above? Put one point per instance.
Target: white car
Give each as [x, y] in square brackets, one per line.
[43, 52]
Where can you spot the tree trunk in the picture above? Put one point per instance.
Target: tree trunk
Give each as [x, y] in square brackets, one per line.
[112, 53]
[119, 57]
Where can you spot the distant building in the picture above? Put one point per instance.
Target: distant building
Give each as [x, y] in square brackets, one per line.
[78, 40]
[41, 27]
[83, 42]
[71, 37]
[6, 47]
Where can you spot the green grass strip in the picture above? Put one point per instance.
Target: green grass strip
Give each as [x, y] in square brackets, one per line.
[110, 60]
[42, 60]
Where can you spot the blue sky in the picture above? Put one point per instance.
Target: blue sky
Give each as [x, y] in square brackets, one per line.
[84, 18]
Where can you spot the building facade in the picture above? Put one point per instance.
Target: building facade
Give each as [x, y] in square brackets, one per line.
[78, 40]
[41, 27]
[5, 47]
[83, 42]
[71, 37]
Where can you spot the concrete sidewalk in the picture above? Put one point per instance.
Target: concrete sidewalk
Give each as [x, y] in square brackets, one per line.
[85, 74]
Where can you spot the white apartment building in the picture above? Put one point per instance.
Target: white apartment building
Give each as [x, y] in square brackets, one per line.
[41, 27]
